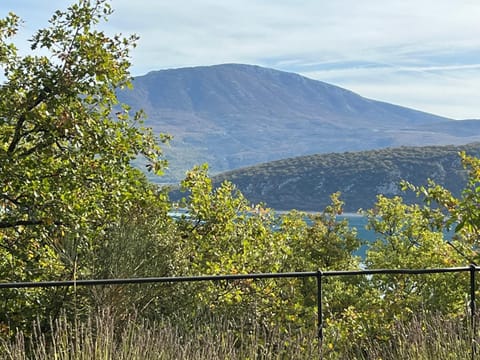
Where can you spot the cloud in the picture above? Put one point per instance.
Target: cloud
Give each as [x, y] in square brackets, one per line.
[394, 47]
[447, 91]
[215, 31]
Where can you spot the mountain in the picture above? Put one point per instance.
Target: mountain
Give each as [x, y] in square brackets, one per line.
[234, 115]
[306, 183]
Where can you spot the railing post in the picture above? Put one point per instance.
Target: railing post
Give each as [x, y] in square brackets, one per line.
[319, 309]
[473, 308]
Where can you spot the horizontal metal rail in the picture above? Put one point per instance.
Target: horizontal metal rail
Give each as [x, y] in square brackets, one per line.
[174, 279]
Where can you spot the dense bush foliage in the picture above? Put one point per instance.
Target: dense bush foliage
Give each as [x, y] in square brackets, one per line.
[72, 206]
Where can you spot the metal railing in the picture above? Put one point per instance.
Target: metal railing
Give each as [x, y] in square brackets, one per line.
[318, 275]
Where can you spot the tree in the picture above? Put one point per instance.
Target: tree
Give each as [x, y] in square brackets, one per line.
[224, 234]
[406, 238]
[143, 242]
[462, 214]
[66, 147]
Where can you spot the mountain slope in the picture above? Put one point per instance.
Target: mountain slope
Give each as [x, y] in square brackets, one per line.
[238, 115]
[305, 183]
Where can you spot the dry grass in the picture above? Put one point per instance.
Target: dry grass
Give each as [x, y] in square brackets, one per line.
[425, 339]
[101, 337]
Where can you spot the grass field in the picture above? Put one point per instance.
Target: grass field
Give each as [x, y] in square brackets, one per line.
[102, 337]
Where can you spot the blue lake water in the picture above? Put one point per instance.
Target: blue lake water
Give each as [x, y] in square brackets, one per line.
[359, 222]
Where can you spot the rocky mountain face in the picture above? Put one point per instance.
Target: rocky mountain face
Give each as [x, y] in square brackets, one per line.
[233, 116]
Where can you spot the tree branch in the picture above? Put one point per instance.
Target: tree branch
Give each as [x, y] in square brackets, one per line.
[16, 223]
[11, 224]
[17, 136]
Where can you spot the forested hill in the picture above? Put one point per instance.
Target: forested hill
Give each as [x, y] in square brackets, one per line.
[305, 183]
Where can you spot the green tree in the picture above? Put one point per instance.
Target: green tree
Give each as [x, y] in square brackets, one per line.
[142, 243]
[407, 239]
[460, 214]
[65, 150]
[225, 234]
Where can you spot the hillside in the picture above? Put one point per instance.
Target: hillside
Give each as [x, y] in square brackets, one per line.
[305, 183]
[236, 115]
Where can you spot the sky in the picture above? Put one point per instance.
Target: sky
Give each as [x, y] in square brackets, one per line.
[423, 54]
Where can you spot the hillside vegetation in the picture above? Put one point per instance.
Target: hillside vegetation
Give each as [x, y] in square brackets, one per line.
[306, 182]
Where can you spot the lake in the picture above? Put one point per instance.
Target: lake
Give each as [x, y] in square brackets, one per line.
[359, 222]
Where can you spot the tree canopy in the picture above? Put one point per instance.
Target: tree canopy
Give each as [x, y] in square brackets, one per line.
[66, 143]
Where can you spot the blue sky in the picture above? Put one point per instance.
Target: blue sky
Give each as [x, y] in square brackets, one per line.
[423, 54]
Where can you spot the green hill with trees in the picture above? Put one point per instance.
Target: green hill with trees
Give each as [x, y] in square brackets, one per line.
[306, 182]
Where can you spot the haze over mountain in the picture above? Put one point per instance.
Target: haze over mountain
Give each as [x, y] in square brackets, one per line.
[234, 115]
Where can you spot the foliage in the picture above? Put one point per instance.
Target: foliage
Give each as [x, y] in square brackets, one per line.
[227, 235]
[224, 234]
[65, 149]
[141, 243]
[406, 240]
[461, 213]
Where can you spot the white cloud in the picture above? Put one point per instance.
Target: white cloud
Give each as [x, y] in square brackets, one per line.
[450, 91]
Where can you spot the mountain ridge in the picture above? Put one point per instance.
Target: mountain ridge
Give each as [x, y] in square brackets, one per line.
[236, 115]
